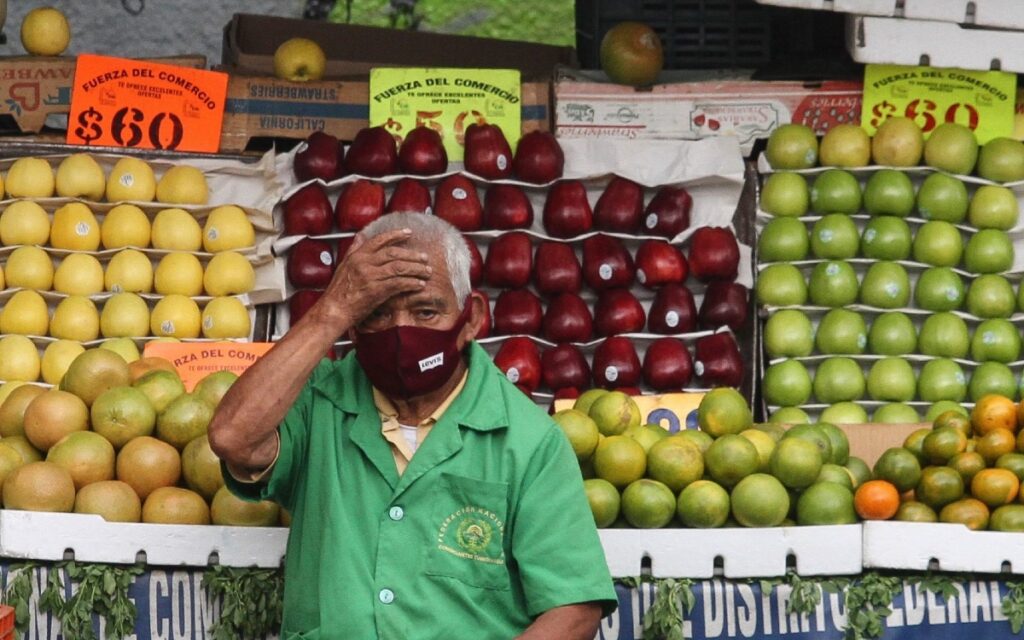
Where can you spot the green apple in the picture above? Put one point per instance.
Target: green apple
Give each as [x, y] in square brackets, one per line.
[951, 147]
[789, 415]
[781, 285]
[886, 285]
[892, 334]
[991, 296]
[786, 384]
[896, 413]
[1002, 160]
[838, 380]
[785, 194]
[788, 333]
[845, 413]
[833, 284]
[939, 244]
[889, 193]
[993, 207]
[996, 340]
[936, 409]
[939, 289]
[835, 237]
[992, 378]
[942, 197]
[891, 379]
[792, 146]
[989, 251]
[944, 335]
[841, 331]
[835, 191]
[783, 240]
[886, 238]
[941, 379]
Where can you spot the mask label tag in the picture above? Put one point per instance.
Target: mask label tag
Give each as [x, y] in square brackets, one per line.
[432, 362]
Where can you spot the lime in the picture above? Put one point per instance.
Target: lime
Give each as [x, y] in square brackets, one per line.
[703, 505]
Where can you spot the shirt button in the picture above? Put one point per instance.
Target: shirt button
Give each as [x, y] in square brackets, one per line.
[387, 596]
[396, 513]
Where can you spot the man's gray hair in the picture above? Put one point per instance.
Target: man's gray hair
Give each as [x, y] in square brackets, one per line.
[428, 229]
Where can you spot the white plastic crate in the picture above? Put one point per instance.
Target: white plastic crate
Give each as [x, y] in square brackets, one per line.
[1003, 14]
[914, 545]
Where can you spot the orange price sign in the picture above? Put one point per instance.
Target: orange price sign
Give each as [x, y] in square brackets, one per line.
[196, 360]
[130, 103]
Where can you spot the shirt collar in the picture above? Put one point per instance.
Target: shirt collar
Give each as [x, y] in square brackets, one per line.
[387, 408]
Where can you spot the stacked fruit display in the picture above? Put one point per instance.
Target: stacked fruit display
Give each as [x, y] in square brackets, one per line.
[90, 254]
[889, 288]
[121, 440]
[586, 277]
[966, 469]
[730, 472]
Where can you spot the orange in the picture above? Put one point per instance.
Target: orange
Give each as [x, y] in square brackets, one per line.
[995, 487]
[914, 443]
[914, 511]
[942, 444]
[731, 458]
[968, 511]
[967, 464]
[1014, 462]
[994, 412]
[620, 460]
[953, 419]
[900, 467]
[876, 500]
[703, 505]
[994, 444]
[939, 486]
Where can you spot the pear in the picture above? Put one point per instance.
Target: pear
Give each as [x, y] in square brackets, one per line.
[30, 178]
[25, 313]
[183, 184]
[80, 176]
[75, 228]
[124, 315]
[123, 347]
[229, 273]
[227, 228]
[131, 179]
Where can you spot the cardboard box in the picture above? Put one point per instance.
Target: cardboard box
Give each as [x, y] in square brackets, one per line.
[35, 87]
[869, 441]
[1002, 14]
[746, 109]
[266, 107]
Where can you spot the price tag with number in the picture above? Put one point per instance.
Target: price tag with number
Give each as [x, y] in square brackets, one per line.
[981, 100]
[130, 103]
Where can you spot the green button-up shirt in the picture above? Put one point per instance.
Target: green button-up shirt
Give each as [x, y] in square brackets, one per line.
[487, 528]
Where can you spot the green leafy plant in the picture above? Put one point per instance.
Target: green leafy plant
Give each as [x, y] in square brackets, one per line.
[673, 601]
[19, 593]
[941, 584]
[102, 590]
[869, 603]
[252, 601]
[1013, 606]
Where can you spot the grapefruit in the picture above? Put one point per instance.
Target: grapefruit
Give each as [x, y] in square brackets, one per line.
[146, 464]
[86, 455]
[724, 410]
[614, 412]
[12, 411]
[174, 505]
[213, 387]
[631, 54]
[145, 364]
[122, 413]
[580, 430]
[675, 463]
[620, 460]
[93, 372]
[10, 460]
[52, 415]
[845, 145]
[227, 509]
[648, 504]
[703, 505]
[604, 501]
[898, 142]
[647, 435]
[39, 486]
[24, 448]
[160, 388]
[113, 500]
[760, 500]
[184, 420]
[201, 468]
[792, 146]
[731, 458]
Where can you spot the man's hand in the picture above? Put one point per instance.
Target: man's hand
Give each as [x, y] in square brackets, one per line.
[373, 271]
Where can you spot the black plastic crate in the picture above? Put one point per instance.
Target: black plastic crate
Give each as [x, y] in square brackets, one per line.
[695, 34]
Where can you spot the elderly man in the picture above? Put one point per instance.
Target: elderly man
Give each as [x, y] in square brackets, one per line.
[430, 498]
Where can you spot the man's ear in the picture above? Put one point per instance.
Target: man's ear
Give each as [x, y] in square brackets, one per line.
[477, 313]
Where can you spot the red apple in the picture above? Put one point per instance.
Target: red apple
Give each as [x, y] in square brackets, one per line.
[476, 263]
[714, 254]
[618, 311]
[539, 158]
[360, 203]
[563, 366]
[310, 264]
[724, 304]
[606, 263]
[308, 212]
[322, 157]
[456, 201]
[567, 211]
[344, 244]
[667, 365]
[507, 207]
[659, 263]
[487, 152]
[509, 259]
[668, 212]
[620, 206]
[517, 312]
[372, 153]
[718, 361]
[568, 319]
[673, 311]
[519, 359]
[631, 391]
[301, 302]
[409, 195]
[616, 364]
[422, 153]
[485, 326]
[556, 269]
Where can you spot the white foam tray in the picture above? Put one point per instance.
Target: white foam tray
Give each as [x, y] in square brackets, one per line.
[914, 545]
[744, 553]
[1004, 14]
[876, 40]
[46, 536]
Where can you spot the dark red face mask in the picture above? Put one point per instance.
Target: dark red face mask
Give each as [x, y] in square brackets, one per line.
[406, 361]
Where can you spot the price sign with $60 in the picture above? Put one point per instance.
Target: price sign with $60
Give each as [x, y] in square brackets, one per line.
[130, 103]
[983, 101]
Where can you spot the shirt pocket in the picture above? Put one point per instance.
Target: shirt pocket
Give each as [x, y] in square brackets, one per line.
[468, 527]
